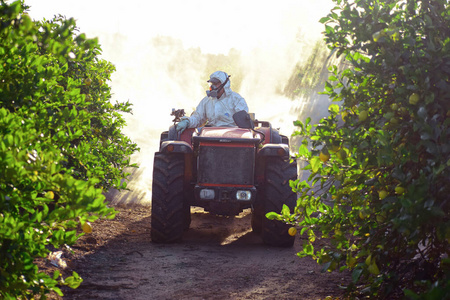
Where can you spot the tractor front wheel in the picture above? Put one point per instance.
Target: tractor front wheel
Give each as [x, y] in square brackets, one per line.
[169, 213]
[277, 192]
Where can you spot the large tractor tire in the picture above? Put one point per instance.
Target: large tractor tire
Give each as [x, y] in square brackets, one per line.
[277, 192]
[187, 216]
[257, 216]
[169, 213]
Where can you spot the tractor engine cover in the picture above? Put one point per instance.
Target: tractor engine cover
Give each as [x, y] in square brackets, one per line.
[225, 168]
[226, 156]
[227, 163]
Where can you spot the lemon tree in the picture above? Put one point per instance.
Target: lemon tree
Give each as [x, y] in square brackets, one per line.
[61, 145]
[382, 198]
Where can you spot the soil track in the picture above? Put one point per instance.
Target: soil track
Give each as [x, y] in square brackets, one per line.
[219, 258]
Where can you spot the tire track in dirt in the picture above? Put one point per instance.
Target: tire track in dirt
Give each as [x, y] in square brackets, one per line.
[219, 258]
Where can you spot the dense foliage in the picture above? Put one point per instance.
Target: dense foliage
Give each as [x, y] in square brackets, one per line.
[379, 163]
[61, 144]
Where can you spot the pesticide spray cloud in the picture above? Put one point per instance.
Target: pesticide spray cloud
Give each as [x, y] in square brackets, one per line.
[164, 52]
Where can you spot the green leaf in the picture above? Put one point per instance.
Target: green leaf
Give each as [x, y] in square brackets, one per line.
[73, 281]
[356, 274]
[333, 109]
[58, 291]
[373, 268]
[308, 248]
[411, 295]
[324, 20]
[315, 163]
[272, 216]
[56, 274]
[303, 150]
[285, 211]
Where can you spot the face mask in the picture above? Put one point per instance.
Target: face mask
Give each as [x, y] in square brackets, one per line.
[214, 91]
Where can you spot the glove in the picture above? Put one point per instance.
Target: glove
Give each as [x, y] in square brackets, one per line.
[182, 125]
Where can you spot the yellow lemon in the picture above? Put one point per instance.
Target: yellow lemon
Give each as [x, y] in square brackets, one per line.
[363, 115]
[380, 219]
[292, 231]
[414, 98]
[382, 194]
[87, 227]
[324, 157]
[394, 121]
[49, 195]
[341, 154]
[399, 190]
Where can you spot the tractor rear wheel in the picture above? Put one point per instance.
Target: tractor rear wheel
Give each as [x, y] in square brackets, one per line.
[169, 212]
[277, 192]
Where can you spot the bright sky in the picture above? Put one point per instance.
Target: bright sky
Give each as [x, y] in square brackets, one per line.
[215, 27]
[271, 35]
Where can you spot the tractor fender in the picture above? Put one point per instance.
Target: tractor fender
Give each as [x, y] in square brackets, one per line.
[175, 147]
[281, 150]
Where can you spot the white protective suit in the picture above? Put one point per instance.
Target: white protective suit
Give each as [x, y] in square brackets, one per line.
[218, 112]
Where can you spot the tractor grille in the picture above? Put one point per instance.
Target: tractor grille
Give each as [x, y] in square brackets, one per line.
[229, 164]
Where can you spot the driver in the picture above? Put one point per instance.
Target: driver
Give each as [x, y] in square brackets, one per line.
[218, 107]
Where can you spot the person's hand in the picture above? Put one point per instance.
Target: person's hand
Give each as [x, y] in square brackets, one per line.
[182, 125]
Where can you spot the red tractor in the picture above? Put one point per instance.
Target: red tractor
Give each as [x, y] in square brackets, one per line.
[224, 170]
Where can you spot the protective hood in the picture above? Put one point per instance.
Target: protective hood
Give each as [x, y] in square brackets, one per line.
[218, 112]
[222, 76]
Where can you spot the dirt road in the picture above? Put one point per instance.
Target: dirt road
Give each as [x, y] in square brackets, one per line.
[220, 258]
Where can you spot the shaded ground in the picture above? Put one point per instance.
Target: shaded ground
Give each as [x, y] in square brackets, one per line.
[220, 258]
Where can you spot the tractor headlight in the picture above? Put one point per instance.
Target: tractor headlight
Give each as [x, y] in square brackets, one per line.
[243, 195]
[207, 194]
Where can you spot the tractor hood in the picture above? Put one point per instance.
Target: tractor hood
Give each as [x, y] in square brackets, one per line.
[227, 135]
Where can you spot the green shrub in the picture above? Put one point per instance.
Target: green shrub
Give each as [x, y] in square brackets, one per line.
[382, 197]
[61, 144]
